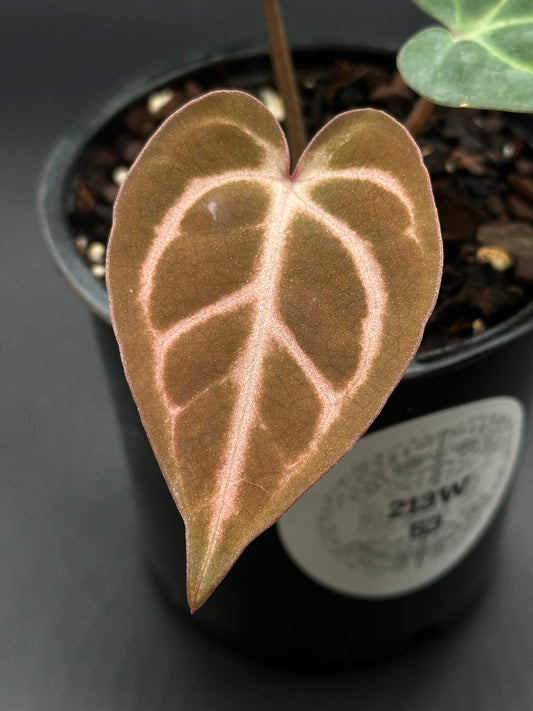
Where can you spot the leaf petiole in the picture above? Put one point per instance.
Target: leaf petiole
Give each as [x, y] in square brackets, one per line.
[285, 79]
[419, 115]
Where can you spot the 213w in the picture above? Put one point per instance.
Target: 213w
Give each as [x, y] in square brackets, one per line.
[416, 504]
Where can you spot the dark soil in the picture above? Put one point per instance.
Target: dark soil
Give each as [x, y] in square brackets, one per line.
[481, 168]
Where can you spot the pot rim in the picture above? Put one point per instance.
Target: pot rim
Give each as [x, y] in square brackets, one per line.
[66, 154]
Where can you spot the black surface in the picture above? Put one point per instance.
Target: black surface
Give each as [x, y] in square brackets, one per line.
[81, 624]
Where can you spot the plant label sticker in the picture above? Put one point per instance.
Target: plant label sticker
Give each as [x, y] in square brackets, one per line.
[407, 503]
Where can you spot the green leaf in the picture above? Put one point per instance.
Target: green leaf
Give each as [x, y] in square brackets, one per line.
[483, 60]
[263, 318]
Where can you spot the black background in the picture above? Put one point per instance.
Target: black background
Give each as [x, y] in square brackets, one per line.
[81, 626]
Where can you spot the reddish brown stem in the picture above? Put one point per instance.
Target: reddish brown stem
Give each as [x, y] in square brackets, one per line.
[285, 79]
[419, 115]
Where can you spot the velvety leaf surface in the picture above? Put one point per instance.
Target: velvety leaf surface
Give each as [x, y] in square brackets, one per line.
[263, 318]
[484, 59]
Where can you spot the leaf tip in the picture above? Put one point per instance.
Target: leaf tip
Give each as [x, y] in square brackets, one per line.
[199, 590]
[207, 566]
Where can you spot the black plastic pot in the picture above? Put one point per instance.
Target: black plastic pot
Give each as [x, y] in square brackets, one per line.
[407, 526]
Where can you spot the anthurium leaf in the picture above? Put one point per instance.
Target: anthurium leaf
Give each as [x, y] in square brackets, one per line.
[264, 318]
[483, 60]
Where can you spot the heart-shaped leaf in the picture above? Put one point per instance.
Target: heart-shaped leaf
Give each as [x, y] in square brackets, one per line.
[263, 318]
[485, 60]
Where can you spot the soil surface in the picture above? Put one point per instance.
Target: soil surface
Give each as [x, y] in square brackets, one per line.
[480, 164]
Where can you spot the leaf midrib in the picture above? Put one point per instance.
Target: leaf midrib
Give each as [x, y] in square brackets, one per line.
[245, 409]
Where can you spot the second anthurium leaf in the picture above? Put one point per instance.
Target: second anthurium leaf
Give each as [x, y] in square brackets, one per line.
[484, 59]
[263, 318]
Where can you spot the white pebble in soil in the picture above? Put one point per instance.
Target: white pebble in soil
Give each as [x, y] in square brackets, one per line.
[158, 99]
[509, 150]
[498, 258]
[98, 270]
[273, 101]
[81, 242]
[119, 174]
[478, 326]
[96, 252]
